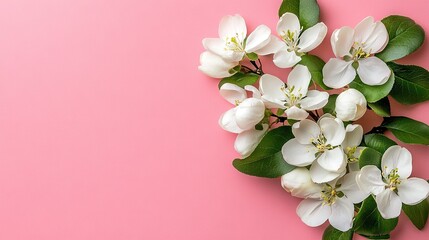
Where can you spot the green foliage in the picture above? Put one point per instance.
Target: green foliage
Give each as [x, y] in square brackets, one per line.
[370, 156]
[315, 66]
[330, 106]
[407, 130]
[373, 93]
[306, 10]
[332, 233]
[378, 142]
[240, 79]
[381, 107]
[418, 214]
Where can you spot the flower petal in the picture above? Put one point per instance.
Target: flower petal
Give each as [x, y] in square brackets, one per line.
[350, 105]
[342, 41]
[214, 66]
[255, 91]
[372, 71]
[288, 22]
[248, 140]
[413, 190]
[272, 86]
[351, 189]
[227, 121]
[249, 113]
[296, 113]
[306, 131]
[232, 93]
[313, 212]
[273, 46]
[342, 214]
[338, 73]
[354, 135]
[333, 130]
[315, 100]
[332, 160]
[369, 180]
[364, 29]
[378, 39]
[397, 157]
[312, 37]
[299, 79]
[298, 182]
[389, 204]
[321, 175]
[231, 26]
[298, 154]
[258, 38]
[285, 59]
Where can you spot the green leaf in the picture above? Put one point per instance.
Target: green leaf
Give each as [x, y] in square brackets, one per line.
[306, 10]
[373, 93]
[411, 83]
[240, 79]
[330, 106]
[418, 214]
[405, 37]
[381, 107]
[378, 142]
[315, 66]
[369, 221]
[267, 159]
[407, 130]
[369, 156]
[252, 56]
[386, 236]
[332, 233]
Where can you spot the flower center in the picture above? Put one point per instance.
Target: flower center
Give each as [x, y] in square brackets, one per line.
[357, 51]
[320, 144]
[291, 98]
[329, 195]
[234, 43]
[350, 152]
[393, 180]
[291, 39]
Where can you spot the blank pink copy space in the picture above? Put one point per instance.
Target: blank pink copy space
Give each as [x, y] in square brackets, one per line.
[108, 131]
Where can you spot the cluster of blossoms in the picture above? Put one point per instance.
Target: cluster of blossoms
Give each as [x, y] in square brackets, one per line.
[326, 147]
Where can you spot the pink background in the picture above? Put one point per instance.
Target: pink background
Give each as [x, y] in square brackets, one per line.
[108, 131]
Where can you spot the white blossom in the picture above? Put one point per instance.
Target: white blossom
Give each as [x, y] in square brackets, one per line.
[350, 105]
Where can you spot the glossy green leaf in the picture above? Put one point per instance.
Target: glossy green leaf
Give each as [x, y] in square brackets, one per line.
[418, 214]
[411, 83]
[332, 233]
[378, 142]
[370, 156]
[240, 79]
[267, 160]
[330, 106]
[315, 66]
[386, 236]
[408, 130]
[381, 107]
[306, 10]
[405, 37]
[373, 93]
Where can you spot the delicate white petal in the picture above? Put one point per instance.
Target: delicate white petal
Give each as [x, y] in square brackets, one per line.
[249, 113]
[230, 26]
[215, 45]
[232, 93]
[378, 39]
[354, 135]
[248, 140]
[338, 73]
[397, 157]
[214, 66]
[372, 71]
[305, 131]
[288, 22]
[313, 212]
[369, 180]
[332, 160]
[272, 86]
[320, 175]
[342, 41]
[350, 105]
[255, 91]
[299, 79]
[296, 113]
[389, 204]
[333, 130]
[258, 38]
[285, 59]
[351, 189]
[298, 154]
[228, 123]
[413, 190]
[364, 30]
[298, 182]
[273, 46]
[271, 102]
[312, 37]
[314, 100]
[342, 214]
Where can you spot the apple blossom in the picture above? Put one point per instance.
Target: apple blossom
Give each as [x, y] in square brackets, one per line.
[248, 140]
[214, 66]
[392, 186]
[357, 46]
[350, 105]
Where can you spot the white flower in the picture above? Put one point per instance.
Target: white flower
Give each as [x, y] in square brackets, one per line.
[295, 42]
[330, 201]
[247, 111]
[295, 98]
[354, 135]
[214, 66]
[357, 45]
[350, 105]
[392, 187]
[321, 142]
[232, 44]
[247, 141]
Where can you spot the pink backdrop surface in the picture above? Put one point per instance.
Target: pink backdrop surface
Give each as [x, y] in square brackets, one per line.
[108, 131]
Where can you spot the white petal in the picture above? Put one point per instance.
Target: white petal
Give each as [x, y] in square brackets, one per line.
[228, 123]
[314, 100]
[372, 71]
[413, 190]
[378, 39]
[255, 91]
[333, 130]
[350, 105]
[249, 113]
[285, 59]
[364, 29]
[298, 182]
[232, 93]
[288, 22]
[369, 180]
[296, 113]
[306, 131]
[299, 79]
[273, 46]
[354, 135]
[342, 41]
[230, 26]
[342, 214]
[332, 160]
[351, 189]
[389, 204]
[298, 154]
[313, 212]
[248, 140]
[214, 66]
[271, 102]
[312, 37]
[338, 73]
[215, 45]
[258, 38]
[320, 175]
[397, 157]
[272, 86]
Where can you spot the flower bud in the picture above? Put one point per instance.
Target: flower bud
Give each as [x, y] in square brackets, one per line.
[298, 182]
[350, 105]
[214, 66]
